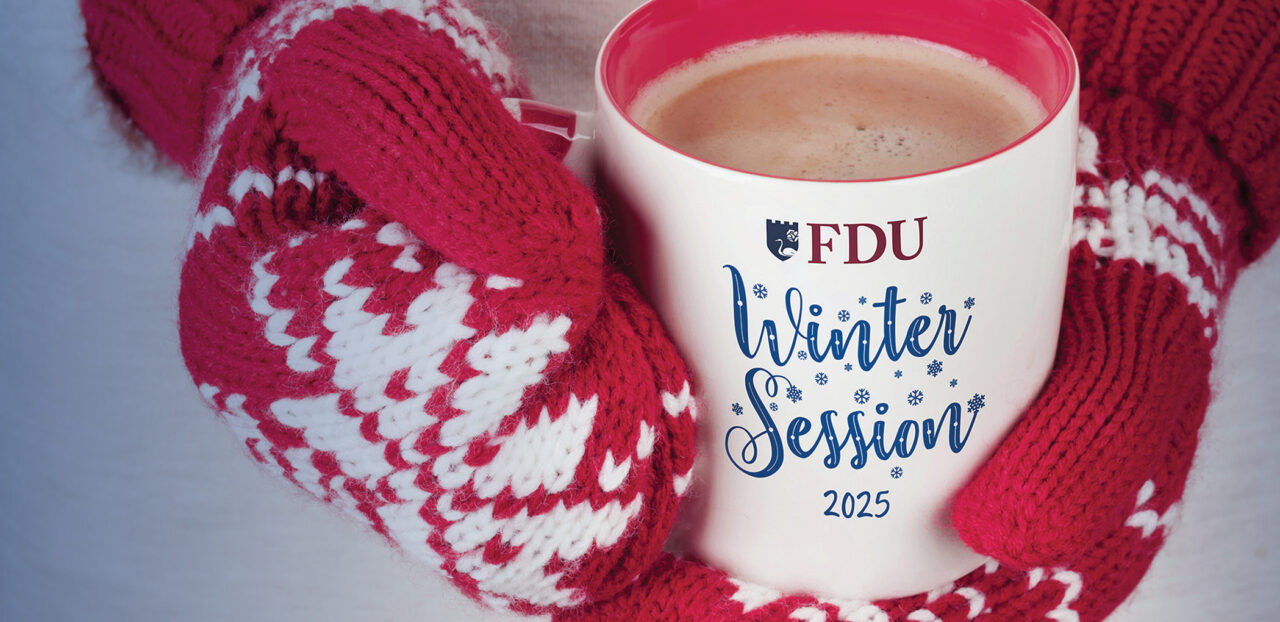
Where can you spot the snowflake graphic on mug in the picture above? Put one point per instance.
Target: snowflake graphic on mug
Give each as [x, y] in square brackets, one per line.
[794, 394]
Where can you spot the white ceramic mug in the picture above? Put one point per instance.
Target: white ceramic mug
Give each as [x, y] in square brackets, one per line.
[860, 347]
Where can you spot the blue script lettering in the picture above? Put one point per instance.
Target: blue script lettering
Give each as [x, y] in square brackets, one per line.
[809, 335]
[747, 455]
[745, 447]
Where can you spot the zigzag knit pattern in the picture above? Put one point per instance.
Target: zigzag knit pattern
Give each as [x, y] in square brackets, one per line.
[419, 337]
[401, 305]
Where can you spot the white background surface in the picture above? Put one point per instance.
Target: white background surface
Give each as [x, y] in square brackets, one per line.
[123, 498]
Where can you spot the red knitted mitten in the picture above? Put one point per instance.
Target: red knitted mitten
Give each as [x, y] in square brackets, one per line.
[1176, 193]
[397, 300]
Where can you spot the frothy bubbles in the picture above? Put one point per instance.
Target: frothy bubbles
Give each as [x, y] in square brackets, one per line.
[837, 106]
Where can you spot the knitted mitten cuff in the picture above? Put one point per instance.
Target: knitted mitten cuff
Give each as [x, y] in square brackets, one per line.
[158, 62]
[1209, 70]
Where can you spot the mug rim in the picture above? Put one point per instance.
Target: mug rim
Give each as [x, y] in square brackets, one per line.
[610, 48]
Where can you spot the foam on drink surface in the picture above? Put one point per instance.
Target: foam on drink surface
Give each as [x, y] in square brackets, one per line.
[837, 106]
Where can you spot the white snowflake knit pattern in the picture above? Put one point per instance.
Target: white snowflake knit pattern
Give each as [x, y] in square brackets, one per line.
[404, 389]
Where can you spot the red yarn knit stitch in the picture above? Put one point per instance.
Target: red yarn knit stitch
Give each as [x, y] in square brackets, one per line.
[400, 304]
[409, 326]
[448, 180]
[157, 59]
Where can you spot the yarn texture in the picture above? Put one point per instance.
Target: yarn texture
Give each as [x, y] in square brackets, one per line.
[401, 303]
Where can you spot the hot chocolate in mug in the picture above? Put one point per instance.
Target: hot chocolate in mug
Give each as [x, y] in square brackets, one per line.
[859, 347]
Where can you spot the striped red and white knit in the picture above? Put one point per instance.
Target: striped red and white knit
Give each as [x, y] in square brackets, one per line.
[398, 321]
[402, 305]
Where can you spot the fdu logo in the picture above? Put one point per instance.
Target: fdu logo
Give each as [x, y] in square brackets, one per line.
[849, 243]
[782, 238]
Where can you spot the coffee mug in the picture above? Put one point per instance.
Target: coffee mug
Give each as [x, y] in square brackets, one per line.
[859, 347]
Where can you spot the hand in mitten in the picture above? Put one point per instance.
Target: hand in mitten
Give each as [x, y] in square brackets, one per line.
[1177, 192]
[397, 300]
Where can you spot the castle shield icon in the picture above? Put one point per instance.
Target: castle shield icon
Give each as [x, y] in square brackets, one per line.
[783, 238]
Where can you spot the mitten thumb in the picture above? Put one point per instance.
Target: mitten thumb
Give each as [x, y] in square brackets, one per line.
[395, 113]
[1129, 378]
